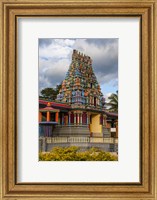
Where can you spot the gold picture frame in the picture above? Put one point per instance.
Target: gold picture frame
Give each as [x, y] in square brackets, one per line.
[10, 11]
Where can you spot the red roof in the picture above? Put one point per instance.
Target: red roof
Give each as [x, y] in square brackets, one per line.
[54, 104]
[47, 108]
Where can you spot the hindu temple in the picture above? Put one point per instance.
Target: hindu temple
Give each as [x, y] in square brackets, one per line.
[78, 115]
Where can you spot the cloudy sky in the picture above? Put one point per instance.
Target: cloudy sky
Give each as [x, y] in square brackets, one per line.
[55, 58]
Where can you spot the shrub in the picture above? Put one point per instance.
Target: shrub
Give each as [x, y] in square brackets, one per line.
[73, 153]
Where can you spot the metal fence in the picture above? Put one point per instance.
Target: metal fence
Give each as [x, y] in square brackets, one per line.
[81, 140]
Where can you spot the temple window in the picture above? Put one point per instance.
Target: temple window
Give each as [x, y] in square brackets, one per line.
[52, 116]
[94, 101]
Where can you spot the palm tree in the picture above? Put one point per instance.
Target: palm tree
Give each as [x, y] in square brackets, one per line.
[113, 102]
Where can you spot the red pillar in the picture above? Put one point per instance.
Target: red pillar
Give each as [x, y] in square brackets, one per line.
[40, 116]
[48, 116]
[56, 117]
[78, 118]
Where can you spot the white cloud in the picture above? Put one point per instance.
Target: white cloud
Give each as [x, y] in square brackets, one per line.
[52, 72]
[106, 96]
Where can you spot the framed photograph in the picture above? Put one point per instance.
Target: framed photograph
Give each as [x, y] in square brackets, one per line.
[74, 117]
[78, 99]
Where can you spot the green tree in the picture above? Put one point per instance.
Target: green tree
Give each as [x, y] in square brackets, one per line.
[113, 102]
[50, 93]
[58, 87]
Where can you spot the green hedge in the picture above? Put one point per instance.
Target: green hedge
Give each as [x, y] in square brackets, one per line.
[73, 153]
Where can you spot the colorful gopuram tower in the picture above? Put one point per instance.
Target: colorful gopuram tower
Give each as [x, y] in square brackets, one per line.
[80, 88]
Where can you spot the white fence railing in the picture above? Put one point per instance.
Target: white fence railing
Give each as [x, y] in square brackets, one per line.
[81, 140]
[113, 129]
